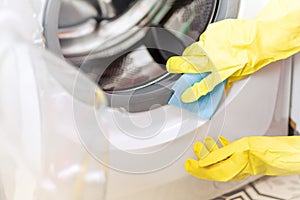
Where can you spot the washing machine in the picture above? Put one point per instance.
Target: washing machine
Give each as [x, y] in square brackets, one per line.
[123, 45]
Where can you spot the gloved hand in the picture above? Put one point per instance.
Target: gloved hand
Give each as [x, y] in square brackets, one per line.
[257, 155]
[233, 49]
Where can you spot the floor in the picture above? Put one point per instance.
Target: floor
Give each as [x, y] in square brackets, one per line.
[268, 188]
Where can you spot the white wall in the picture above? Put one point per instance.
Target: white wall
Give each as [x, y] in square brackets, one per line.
[295, 98]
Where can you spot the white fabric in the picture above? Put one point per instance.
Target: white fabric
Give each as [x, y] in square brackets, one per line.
[41, 154]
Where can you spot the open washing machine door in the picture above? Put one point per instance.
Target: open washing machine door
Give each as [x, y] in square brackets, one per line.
[150, 140]
[121, 52]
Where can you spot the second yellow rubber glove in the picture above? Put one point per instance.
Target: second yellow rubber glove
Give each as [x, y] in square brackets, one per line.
[233, 49]
[257, 155]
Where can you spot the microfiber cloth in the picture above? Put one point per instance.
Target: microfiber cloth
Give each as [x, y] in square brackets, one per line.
[207, 105]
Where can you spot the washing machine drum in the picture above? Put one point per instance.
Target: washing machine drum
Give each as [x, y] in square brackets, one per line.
[124, 44]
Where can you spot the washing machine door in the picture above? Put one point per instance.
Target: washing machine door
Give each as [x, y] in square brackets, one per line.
[117, 49]
[123, 44]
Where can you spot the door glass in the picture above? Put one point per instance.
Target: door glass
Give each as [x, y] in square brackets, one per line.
[115, 22]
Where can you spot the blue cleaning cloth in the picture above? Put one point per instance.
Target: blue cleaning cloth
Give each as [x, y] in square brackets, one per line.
[207, 105]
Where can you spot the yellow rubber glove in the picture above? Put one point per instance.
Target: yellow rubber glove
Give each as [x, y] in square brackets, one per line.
[257, 155]
[233, 49]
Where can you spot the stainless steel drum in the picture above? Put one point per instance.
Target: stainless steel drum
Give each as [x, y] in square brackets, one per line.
[123, 44]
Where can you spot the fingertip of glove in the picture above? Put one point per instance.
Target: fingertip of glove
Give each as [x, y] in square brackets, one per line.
[210, 140]
[223, 141]
[198, 147]
[169, 63]
[172, 63]
[189, 96]
[190, 164]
